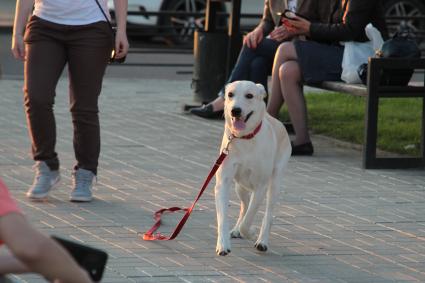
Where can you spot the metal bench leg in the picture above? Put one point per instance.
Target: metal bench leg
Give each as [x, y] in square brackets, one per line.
[375, 92]
[371, 121]
[423, 132]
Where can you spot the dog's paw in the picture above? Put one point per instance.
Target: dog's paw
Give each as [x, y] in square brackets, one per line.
[223, 247]
[235, 234]
[247, 233]
[261, 247]
[223, 253]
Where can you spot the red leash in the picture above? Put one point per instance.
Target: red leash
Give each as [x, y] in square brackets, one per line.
[150, 236]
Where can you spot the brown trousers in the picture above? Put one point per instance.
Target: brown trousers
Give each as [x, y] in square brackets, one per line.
[49, 47]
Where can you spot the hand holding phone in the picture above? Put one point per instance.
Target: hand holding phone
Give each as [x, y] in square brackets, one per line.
[91, 259]
[295, 22]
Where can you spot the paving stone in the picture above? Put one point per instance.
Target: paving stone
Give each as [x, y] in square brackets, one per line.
[334, 222]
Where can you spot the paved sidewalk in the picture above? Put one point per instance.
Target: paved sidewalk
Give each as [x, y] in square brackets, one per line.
[334, 222]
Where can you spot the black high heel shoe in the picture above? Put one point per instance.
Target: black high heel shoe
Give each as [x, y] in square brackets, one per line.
[207, 112]
[302, 149]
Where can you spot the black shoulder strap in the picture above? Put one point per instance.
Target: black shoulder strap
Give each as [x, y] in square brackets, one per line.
[104, 14]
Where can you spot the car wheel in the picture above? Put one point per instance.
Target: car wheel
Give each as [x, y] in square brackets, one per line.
[405, 8]
[180, 28]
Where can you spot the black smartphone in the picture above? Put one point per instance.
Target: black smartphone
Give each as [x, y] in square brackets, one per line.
[91, 259]
[288, 14]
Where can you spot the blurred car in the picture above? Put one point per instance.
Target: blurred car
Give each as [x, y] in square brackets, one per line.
[180, 28]
[412, 13]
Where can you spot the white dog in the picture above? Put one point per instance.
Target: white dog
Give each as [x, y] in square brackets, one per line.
[259, 150]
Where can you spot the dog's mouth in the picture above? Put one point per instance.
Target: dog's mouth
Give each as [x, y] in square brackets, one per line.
[239, 123]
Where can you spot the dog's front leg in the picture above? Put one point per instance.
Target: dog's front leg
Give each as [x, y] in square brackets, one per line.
[243, 195]
[272, 196]
[256, 199]
[222, 189]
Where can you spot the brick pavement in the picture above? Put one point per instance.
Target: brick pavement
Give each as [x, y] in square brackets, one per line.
[334, 221]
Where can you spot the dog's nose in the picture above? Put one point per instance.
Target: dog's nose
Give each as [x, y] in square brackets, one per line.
[236, 112]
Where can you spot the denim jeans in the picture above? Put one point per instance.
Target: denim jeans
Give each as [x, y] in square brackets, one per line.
[254, 64]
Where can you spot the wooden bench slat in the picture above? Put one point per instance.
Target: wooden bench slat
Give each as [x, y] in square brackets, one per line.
[353, 89]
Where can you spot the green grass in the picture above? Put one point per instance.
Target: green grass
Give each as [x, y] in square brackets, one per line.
[342, 117]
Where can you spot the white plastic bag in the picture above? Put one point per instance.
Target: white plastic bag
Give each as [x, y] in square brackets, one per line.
[357, 53]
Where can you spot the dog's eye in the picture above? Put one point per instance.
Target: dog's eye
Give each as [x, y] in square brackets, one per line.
[230, 94]
[249, 95]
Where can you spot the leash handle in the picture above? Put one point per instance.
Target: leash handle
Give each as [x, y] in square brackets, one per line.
[150, 236]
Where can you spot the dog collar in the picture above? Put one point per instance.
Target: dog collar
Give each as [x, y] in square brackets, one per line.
[250, 135]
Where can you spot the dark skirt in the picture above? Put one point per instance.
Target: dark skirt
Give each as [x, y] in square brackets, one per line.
[319, 62]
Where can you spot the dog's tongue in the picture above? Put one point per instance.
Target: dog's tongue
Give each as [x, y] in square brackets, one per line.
[239, 124]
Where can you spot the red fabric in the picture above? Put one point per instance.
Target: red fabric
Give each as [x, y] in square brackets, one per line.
[7, 204]
[150, 236]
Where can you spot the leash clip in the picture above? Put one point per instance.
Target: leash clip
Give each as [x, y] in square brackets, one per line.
[226, 149]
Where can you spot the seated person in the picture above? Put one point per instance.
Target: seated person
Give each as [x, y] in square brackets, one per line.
[31, 250]
[259, 46]
[317, 60]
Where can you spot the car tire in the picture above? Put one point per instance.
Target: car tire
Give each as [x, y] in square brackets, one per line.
[405, 8]
[180, 29]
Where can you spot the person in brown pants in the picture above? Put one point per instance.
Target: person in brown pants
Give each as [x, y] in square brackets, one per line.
[76, 33]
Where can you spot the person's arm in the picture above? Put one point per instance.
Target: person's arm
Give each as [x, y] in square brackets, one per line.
[36, 252]
[357, 15]
[266, 24]
[254, 37]
[121, 41]
[22, 12]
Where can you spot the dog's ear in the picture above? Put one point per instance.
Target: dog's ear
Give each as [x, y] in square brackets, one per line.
[262, 90]
[226, 86]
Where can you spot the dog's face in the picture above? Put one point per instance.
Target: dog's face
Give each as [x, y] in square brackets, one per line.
[244, 106]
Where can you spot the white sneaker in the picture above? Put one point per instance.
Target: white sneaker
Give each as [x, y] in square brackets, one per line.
[82, 185]
[44, 181]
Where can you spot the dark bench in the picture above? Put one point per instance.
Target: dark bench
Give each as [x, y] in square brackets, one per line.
[373, 92]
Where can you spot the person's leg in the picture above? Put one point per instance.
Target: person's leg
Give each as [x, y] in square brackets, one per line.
[284, 53]
[89, 48]
[249, 59]
[241, 71]
[35, 252]
[45, 60]
[290, 80]
[244, 69]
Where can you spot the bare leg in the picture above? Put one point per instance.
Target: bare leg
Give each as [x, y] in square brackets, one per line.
[218, 104]
[284, 53]
[290, 82]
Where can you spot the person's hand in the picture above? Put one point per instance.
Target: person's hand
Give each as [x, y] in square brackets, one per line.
[297, 25]
[253, 38]
[18, 47]
[280, 34]
[121, 44]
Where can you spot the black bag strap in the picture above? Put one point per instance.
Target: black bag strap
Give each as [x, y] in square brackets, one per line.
[104, 14]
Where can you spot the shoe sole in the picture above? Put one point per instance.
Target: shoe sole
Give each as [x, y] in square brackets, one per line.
[81, 199]
[44, 195]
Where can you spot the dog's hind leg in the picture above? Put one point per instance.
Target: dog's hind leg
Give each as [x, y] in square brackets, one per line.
[272, 195]
[257, 197]
[244, 197]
